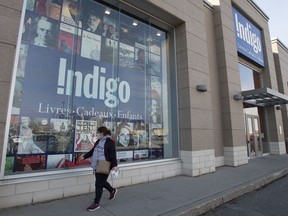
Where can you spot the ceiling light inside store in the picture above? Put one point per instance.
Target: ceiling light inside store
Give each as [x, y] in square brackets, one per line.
[125, 30]
[158, 34]
[134, 23]
[107, 11]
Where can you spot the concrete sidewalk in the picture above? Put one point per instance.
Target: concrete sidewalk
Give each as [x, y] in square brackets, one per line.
[181, 195]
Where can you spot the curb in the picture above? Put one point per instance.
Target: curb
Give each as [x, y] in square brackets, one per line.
[211, 202]
[234, 193]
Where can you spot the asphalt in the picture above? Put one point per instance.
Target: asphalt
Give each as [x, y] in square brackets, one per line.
[181, 195]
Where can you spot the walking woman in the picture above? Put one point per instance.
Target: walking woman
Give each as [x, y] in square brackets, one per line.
[104, 149]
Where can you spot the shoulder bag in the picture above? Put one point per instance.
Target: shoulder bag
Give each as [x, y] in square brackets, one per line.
[103, 167]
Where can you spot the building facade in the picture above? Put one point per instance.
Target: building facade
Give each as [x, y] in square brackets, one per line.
[184, 86]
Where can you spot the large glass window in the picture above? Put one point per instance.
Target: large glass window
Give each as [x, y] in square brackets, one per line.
[250, 80]
[82, 65]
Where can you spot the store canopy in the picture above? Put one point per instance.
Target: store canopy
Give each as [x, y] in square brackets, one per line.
[264, 97]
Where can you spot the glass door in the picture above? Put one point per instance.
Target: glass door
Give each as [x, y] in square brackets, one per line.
[254, 139]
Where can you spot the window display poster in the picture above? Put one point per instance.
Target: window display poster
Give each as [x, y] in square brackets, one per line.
[109, 51]
[109, 28]
[40, 30]
[71, 13]
[85, 135]
[61, 130]
[27, 142]
[91, 46]
[125, 156]
[68, 39]
[155, 64]
[30, 162]
[97, 89]
[59, 161]
[156, 87]
[30, 5]
[124, 135]
[126, 56]
[140, 154]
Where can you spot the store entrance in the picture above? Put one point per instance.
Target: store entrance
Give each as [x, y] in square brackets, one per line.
[253, 133]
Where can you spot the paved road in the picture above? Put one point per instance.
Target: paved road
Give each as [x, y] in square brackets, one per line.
[271, 200]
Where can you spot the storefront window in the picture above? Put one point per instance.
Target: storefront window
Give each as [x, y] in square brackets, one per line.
[82, 65]
[250, 80]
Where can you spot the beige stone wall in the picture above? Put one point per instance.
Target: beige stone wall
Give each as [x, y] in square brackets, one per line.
[228, 73]
[196, 129]
[195, 111]
[280, 53]
[215, 80]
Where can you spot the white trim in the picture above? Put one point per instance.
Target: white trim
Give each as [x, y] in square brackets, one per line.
[279, 42]
[208, 5]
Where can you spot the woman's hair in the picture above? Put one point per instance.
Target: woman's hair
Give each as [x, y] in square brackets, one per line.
[104, 130]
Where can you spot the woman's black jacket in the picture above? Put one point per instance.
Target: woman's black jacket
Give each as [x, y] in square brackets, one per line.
[109, 152]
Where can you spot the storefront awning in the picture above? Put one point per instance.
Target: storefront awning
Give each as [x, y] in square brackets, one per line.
[264, 97]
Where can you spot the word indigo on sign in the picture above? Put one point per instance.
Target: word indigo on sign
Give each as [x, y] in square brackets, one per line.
[245, 33]
[93, 85]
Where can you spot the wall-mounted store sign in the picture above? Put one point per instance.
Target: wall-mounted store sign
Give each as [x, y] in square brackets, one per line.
[248, 38]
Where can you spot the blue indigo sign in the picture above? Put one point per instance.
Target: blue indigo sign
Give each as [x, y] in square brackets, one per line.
[94, 88]
[248, 38]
